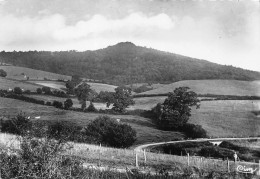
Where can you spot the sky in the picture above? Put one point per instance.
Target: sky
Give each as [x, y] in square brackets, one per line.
[224, 32]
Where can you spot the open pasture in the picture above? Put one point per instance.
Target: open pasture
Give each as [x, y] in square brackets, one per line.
[219, 87]
[20, 73]
[223, 118]
[228, 118]
[146, 131]
[7, 83]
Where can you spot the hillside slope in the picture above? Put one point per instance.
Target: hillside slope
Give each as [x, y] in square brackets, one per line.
[219, 87]
[126, 63]
[20, 73]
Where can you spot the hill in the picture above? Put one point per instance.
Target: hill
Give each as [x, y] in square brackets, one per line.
[126, 63]
[219, 87]
[21, 73]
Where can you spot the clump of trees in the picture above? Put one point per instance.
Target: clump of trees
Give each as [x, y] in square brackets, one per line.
[120, 99]
[18, 90]
[175, 111]
[108, 131]
[68, 103]
[3, 73]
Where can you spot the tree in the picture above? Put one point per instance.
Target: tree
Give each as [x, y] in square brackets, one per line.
[46, 90]
[2, 73]
[39, 91]
[121, 99]
[70, 85]
[18, 90]
[57, 104]
[176, 109]
[108, 131]
[82, 92]
[68, 103]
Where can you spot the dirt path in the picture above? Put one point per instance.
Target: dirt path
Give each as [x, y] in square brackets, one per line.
[141, 147]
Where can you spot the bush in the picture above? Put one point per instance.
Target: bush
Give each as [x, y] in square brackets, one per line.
[18, 90]
[40, 159]
[64, 130]
[48, 103]
[39, 91]
[57, 104]
[91, 108]
[68, 103]
[27, 92]
[46, 90]
[109, 132]
[17, 125]
[194, 131]
[2, 73]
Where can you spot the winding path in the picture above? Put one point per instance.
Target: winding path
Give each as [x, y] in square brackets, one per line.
[141, 147]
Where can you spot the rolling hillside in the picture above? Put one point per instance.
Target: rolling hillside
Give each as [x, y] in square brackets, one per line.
[20, 73]
[5, 84]
[219, 87]
[126, 63]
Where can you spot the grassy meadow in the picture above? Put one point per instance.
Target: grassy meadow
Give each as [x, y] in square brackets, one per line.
[219, 118]
[219, 87]
[19, 73]
[8, 83]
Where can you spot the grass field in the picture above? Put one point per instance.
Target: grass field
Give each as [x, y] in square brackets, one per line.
[52, 84]
[219, 118]
[61, 85]
[220, 87]
[6, 84]
[146, 131]
[19, 73]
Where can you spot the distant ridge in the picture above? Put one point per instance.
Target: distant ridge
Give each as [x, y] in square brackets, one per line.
[126, 63]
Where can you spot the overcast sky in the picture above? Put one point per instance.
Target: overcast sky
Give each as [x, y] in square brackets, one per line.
[225, 32]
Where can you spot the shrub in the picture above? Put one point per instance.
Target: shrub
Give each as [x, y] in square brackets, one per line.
[39, 91]
[46, 90]
[48, 103]
[18, 90]
[2, 73]
[27, 92]
[109, 132]
[68, 103]
[91, 108]
[194, 131]
[64, 130]
[57, 104]
[40, 159]
[17, 125]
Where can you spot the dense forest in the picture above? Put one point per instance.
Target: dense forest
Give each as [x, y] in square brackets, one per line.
[126, 63]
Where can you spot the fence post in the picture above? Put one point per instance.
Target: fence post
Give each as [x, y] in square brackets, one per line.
[257, 173]
[144, 156]
[188, 159]
[136, 160]
[228, 165]
[99, 153]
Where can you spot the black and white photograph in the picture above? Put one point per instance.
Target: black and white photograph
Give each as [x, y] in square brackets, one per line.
[129, 89]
